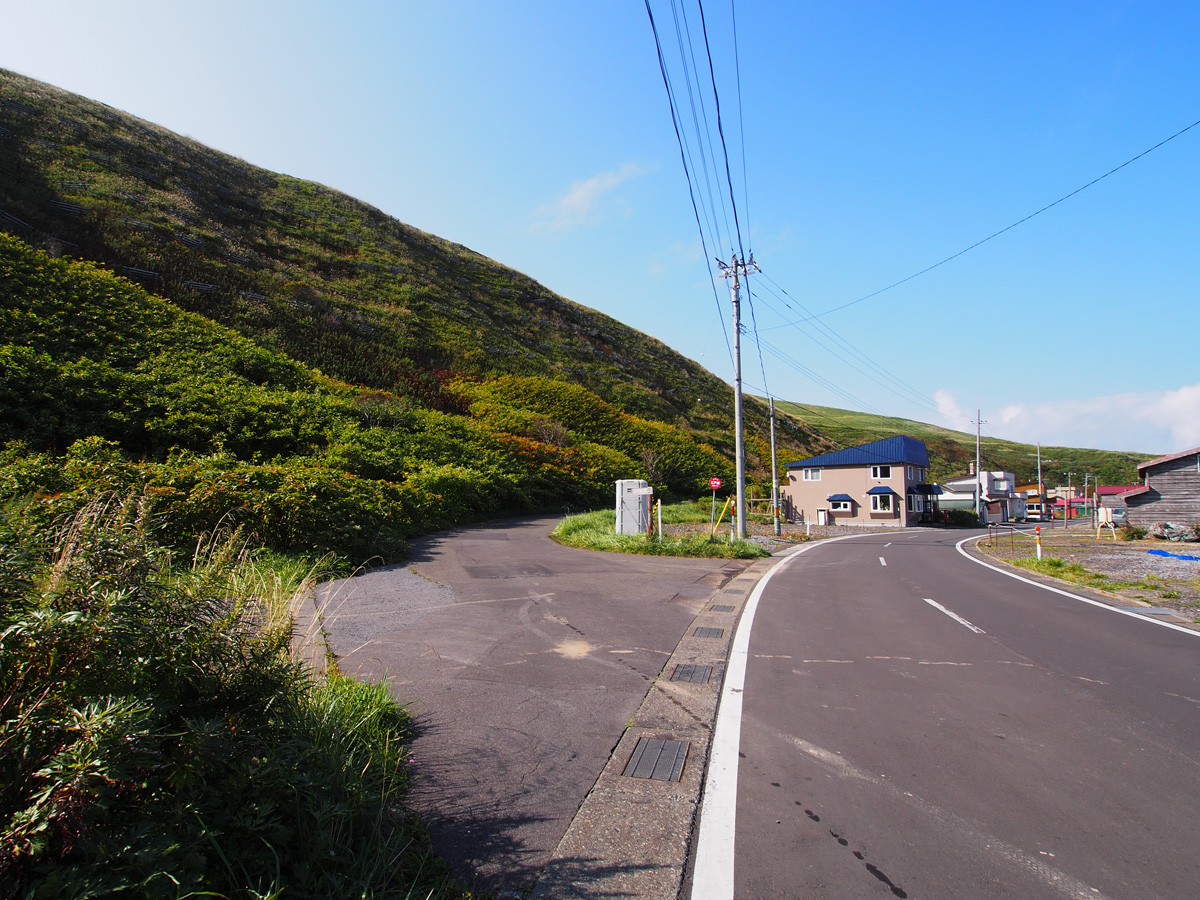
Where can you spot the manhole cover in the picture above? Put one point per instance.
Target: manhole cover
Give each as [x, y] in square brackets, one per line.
[721, 607]
[692, 674]
[709, 632]
[660, 760]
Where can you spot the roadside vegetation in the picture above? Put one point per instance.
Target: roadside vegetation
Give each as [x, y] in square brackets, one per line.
[596, 531]
[1126, 567]
[157, 738]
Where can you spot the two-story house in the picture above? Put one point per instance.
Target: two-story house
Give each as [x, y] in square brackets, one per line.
[1002, 502]
[880, 483]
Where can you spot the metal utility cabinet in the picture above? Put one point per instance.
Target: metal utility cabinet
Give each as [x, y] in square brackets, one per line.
[633, 506]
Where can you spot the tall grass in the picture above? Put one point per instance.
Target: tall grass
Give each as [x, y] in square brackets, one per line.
[158, 739]
[596, 531]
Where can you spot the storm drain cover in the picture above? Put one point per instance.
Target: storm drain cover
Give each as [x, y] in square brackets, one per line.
[520, 570]
[735, 590]
[721, 607]
[709, 632]
[660, 760]
[693, 674]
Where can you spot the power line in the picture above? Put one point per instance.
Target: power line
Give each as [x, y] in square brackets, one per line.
[662, 65]
[1014, 224]
[720, 130]
[912, 394]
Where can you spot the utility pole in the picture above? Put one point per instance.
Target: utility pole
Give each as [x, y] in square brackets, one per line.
[1070, 497]
[978, 423]
[731, 271]
[1041, 490]
[774, 473]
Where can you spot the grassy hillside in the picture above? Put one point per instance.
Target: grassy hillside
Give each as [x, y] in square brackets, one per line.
[321, 277]
[952, 452]
[221, 431]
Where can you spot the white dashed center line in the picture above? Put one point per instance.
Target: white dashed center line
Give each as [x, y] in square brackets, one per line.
[955, 616]
[882, 561]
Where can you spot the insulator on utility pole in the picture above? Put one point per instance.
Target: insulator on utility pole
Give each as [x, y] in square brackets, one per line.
[732, 271]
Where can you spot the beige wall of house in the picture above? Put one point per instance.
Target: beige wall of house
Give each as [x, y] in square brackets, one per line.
[808, 490]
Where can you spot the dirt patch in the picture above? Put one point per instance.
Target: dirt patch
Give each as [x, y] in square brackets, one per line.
[1126, 569]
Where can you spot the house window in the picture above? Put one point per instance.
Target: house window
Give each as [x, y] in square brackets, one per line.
[881, 502]
[916, 503]
[881, 471]
[839, 505]
[812, 474]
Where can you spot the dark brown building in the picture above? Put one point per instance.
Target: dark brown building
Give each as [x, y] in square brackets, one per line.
[1169, 492]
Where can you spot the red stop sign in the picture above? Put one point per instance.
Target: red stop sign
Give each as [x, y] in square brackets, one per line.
[714, 483]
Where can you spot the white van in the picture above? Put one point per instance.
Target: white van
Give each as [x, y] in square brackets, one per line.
[1035, 512]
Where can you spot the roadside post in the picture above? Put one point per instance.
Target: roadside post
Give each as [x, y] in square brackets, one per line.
[1038, 535]
[660, 521]
[715, 484]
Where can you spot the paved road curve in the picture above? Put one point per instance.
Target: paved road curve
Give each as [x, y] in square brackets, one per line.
[523, 660]
[916, 725]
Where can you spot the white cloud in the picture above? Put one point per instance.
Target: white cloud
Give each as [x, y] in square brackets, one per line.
[1145, 421]
[581, 203]
[952, 414]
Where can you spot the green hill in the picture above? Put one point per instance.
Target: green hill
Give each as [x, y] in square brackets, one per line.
[324, 278]
[351, 344]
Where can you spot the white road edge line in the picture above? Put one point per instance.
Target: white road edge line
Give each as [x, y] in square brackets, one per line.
[712, 877]
[1047, 587]
[955, 616]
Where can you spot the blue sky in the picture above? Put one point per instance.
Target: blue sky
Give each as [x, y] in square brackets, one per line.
[879, 139]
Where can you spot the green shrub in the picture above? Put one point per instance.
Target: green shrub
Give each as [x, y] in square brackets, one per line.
[596, 531]
[961, 518]
[1131, 532]
[156, 738]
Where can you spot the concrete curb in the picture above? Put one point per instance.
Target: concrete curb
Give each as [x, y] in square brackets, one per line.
[631, 836]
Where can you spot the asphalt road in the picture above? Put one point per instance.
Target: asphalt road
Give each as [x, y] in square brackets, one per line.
[1032, 747]
[523, 661]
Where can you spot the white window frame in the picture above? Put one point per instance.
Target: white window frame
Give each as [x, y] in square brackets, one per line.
[916, 503]
[881, 503]
[812, 474]
[839, 506]
[877, 470]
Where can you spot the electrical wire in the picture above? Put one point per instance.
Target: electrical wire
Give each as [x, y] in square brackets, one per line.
[997, 234]
[683, 157]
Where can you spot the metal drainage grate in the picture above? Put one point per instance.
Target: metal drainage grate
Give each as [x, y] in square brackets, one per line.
[721, 607]
[660, 760]
[709, 632]
[735, 590]
[693, 674]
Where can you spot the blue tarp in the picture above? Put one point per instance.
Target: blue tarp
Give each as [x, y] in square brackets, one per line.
[1174, 555]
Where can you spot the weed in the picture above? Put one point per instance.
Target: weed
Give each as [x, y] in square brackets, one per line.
[156, 737]
[595, 531]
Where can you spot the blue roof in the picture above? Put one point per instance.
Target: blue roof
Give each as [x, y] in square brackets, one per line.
[880, 489]
[845, 497]
[930, 489]
[899, 450]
